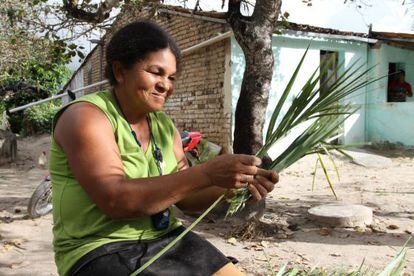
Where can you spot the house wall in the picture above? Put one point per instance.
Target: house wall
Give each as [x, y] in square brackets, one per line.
[76, 82]
[199, 101]
[287, 51]
[390, 122]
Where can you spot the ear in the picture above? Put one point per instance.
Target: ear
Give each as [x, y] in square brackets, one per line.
[118, 71]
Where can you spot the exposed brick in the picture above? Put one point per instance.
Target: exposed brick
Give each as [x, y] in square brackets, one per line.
[197, 101]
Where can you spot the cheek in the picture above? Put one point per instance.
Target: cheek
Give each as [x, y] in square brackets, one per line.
[147, 83]
[170, 92]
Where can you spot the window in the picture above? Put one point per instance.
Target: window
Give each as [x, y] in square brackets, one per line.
[330, 59]
[329, 74]
[398, 88]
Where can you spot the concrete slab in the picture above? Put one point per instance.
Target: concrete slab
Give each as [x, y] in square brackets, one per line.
[341, 215]
[368, 159]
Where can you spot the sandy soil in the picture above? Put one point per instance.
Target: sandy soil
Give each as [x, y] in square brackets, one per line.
[289, 236]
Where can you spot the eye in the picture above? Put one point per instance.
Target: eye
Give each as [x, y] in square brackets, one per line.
[155, 72]
[171, 78]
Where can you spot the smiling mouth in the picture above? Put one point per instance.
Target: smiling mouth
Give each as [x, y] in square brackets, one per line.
[158, 95]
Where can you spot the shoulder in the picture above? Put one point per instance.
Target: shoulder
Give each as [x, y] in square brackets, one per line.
[101, 99]
[88, 108]
[78, 119]
[81, 112]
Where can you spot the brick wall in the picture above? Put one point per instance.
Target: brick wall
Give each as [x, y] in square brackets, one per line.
[199, 101]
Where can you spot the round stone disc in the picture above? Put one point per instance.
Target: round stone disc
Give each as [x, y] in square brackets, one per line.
[341, 215]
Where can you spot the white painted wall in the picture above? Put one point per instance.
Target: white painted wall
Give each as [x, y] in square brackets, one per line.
[288, 51]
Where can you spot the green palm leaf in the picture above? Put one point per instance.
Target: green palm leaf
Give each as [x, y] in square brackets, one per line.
[319, 109]
[284, 96]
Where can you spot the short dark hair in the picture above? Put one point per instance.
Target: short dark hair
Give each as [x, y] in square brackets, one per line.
[402, 72]
[133, 43]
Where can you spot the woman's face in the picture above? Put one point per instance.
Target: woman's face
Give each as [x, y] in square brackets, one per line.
[149, 83]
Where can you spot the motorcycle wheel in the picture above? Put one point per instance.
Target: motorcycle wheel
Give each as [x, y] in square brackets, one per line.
[40, 203]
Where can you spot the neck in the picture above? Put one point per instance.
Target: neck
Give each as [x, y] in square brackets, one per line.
[133, 115]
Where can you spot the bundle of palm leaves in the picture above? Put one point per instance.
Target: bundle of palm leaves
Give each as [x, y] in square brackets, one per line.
[317, 109]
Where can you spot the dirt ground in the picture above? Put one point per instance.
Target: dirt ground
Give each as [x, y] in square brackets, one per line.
[289, 235]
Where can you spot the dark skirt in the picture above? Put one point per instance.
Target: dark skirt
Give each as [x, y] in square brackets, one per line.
[192, 255]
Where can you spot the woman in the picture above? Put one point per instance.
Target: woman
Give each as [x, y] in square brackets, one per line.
[117, 167]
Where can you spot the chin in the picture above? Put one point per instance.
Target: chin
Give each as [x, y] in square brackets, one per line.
[155, 108]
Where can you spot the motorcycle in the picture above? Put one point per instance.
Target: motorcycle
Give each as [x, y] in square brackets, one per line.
[40, 202]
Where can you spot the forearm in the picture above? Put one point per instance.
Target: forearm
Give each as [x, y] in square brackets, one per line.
[201, 199]
[147, 196]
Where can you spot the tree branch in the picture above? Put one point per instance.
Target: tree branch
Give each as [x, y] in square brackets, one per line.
[101, 13]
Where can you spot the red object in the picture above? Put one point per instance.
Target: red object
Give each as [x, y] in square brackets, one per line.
[194, 139]
[403, 88]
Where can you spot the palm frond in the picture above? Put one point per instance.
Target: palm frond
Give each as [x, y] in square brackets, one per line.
[332, 161]
[179, 237]
[320, 110]
[325, 171]
[314, 174]
[284, 96]
[395, 267]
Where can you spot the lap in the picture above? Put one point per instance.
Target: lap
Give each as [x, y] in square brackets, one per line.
[192, 255]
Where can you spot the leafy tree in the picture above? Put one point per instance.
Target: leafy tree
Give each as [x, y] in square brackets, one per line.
[34, 58]
[41, 30]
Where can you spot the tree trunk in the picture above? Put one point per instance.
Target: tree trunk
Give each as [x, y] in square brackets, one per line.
[254, 35]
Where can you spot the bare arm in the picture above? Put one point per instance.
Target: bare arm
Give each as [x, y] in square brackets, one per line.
[202, 198]
[86, 136]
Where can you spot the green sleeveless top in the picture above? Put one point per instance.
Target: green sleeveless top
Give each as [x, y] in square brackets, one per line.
[79, 226]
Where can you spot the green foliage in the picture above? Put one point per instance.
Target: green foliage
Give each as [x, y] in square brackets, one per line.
[48, 76]
[37, 81]
[33, 32]
[38, 119]
[318, 111]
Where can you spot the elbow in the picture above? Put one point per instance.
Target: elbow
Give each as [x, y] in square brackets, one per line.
[116, 208]
[120, 204]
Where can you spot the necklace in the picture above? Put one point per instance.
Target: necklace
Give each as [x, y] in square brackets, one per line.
[160, 220]
[157, 153]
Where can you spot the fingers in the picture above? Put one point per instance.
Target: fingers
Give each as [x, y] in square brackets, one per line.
[237, 171]
[261, 186]
[244, 180]
[247, 169]
[258, 192]
[250, 160]
[255, 193]
[269, 174]
[249, 178]
[265, 183]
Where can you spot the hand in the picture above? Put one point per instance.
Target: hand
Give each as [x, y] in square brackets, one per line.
[231, 170]
[264, 182]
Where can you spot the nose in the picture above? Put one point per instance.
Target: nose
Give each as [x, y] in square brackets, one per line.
[163, 86]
